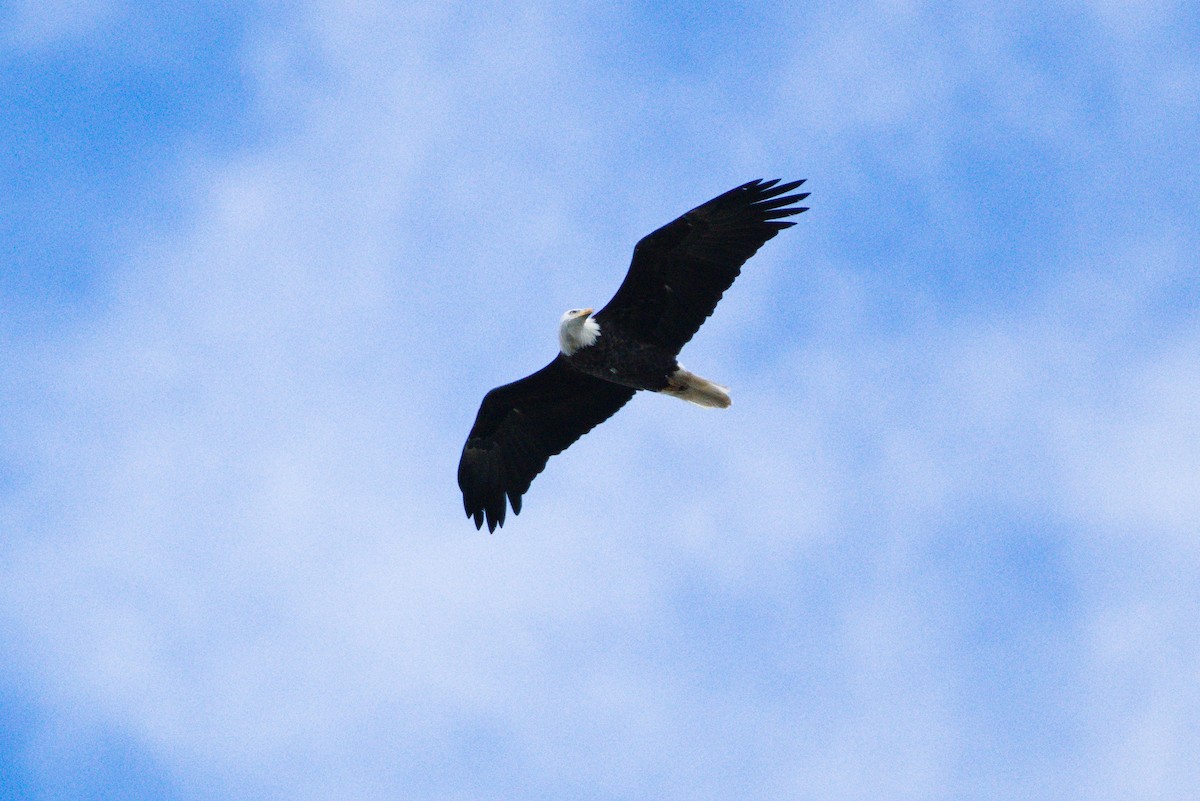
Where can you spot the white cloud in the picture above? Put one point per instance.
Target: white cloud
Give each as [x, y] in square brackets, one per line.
[1136, 462]
[246, 547]
[32, 25]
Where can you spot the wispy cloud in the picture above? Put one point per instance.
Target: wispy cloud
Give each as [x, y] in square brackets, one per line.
[939, 547]
[32, 26]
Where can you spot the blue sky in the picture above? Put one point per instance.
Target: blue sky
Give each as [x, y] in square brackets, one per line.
[261, 264]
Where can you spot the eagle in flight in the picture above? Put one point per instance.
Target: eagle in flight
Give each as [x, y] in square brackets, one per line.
[678, 274]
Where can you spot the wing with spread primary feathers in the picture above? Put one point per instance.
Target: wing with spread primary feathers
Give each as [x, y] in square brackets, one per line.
[520, 426]
[680, 271]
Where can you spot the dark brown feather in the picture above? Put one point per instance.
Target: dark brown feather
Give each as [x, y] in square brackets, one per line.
[520, 426]
[680, 271]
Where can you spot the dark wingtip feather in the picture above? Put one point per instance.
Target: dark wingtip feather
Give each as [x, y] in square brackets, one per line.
[776, 202]
[494, 519]
[770, 189]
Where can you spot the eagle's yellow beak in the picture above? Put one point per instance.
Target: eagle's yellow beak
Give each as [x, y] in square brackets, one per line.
[585, 312]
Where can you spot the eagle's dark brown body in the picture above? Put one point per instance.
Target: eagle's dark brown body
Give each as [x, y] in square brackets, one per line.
[630, 363]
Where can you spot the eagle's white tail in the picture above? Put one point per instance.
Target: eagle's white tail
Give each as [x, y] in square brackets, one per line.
[700, 391]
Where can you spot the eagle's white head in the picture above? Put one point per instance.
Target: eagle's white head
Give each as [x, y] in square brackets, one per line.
[577, 330]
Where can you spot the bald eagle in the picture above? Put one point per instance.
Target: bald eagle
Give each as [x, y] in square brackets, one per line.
[678, 274]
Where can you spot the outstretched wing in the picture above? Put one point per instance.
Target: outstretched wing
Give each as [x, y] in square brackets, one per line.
[521, 425]
[680, 271]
